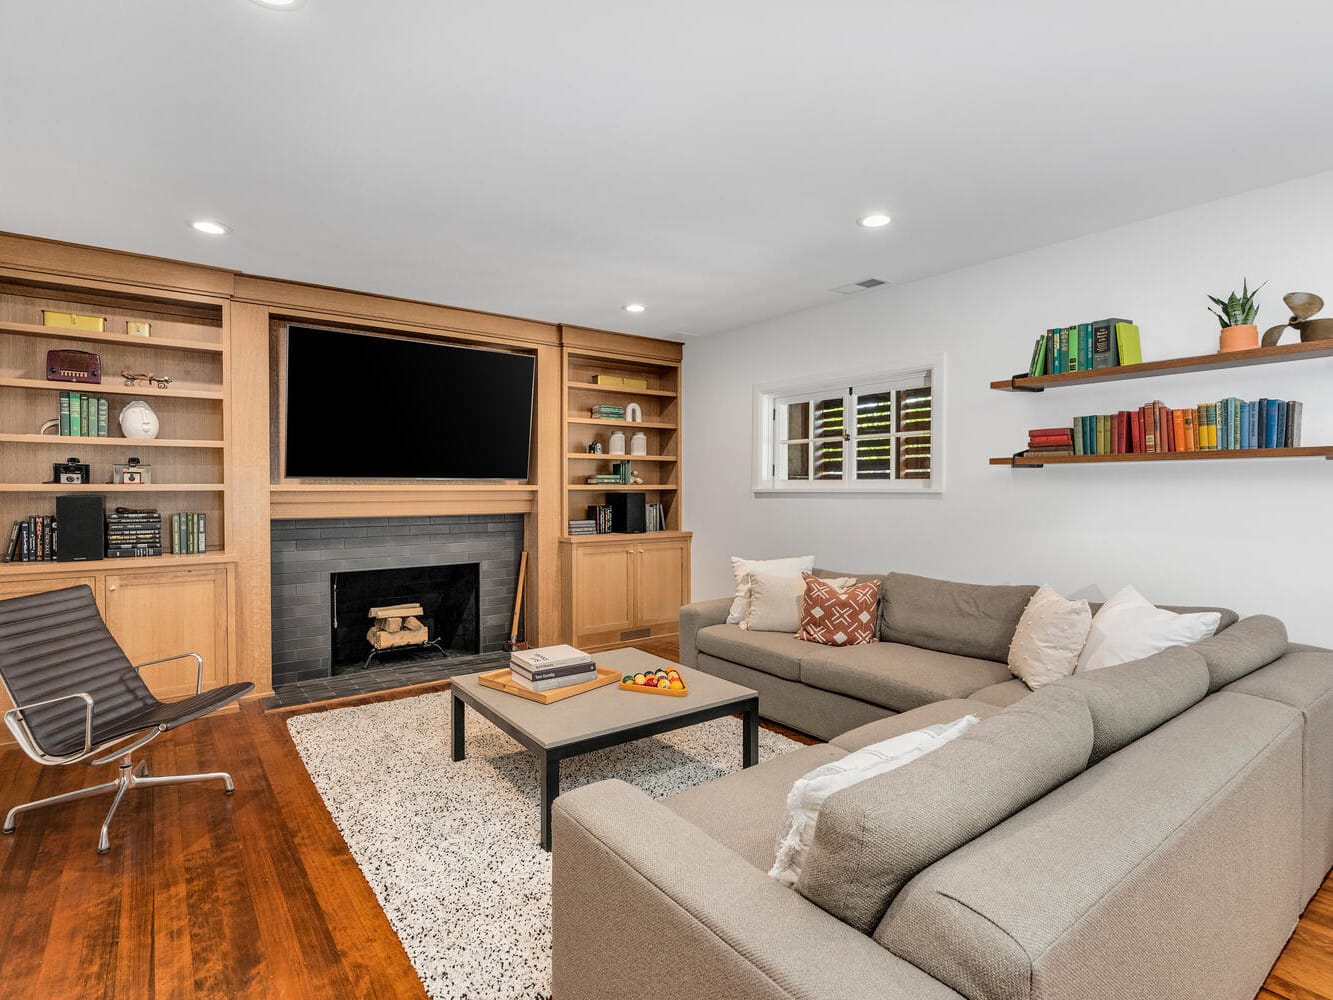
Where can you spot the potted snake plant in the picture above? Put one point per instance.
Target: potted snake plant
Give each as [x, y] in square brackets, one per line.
[1236, 313]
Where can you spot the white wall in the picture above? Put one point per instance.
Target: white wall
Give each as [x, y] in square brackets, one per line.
[1253, 535]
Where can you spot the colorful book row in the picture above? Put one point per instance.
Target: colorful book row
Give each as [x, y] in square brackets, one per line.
[32, 539]
[82, 415]
[1108, 343]
[1228, 425]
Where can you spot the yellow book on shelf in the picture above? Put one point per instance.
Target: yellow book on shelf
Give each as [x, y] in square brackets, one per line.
[1127, 339]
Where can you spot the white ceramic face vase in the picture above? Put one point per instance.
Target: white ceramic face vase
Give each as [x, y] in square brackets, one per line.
[137, 420]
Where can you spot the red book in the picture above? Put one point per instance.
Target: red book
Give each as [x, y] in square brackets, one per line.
[1138, 431]
[1121, 433]
[1050, 440]
[1167, 430]
[1051, 431]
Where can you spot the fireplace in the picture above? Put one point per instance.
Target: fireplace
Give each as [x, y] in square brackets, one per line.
[445, 626]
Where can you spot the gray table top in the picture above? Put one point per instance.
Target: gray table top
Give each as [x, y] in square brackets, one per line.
[607, 709]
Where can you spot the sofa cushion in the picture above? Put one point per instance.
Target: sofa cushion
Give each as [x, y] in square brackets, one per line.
[1131, 699]
[1251, 643]
[964, 618]
[834, 616]
[745, 810]
[896, 676]
[1129, 627]
[774, 653]
[906, 722]
[873, 838]
[1003, 694]
[1167, 870]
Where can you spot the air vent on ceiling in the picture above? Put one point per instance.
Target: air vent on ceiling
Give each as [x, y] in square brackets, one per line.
[859, 286]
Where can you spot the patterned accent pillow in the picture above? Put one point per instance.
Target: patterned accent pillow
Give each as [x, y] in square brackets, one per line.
[835, 617]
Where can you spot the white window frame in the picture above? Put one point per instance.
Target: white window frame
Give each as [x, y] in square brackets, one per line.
[766, 464]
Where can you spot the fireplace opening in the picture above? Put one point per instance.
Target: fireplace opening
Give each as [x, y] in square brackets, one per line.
[447, 625]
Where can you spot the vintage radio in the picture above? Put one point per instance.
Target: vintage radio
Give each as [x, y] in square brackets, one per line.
[73, 366]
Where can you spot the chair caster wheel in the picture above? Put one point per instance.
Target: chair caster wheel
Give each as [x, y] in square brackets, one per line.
[104, 850]
[229, 791]
[8, 829]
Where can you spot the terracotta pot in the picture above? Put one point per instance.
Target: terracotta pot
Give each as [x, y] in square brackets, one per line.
[1239, 338]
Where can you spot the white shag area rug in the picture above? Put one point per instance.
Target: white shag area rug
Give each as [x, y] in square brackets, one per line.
[451, 848]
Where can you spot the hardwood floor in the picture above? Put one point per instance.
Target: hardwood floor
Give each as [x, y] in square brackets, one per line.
[255, 895]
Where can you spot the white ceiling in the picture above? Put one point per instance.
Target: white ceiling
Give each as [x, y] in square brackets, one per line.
[557, 160]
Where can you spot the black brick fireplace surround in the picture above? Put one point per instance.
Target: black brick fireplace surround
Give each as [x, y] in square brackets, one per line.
[307, 552]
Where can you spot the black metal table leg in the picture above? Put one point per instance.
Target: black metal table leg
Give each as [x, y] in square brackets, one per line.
[550, 779]
[750, 756]
[457, 725]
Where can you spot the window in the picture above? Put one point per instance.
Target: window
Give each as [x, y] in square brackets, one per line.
[860, 432]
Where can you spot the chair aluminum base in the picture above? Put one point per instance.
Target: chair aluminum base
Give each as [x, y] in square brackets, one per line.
[129, 777]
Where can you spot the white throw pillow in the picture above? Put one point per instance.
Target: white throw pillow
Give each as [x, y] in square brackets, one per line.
[793, 567]
[1128, 627]
[809, 792]
[773, 603]
[1049, 638]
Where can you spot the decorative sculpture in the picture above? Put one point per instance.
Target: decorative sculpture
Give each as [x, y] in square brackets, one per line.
[1303, 306]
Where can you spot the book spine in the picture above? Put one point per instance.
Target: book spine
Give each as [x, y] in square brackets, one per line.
[1294, 423]
[1281, 439]
[134, 552]
[103, 418]
[1178, 426]
[1245, 426]
[88, 429]
[64, 412]
[200, 533]
[1270, 430]
[12, 545]
[1073, 334]
[75, 418]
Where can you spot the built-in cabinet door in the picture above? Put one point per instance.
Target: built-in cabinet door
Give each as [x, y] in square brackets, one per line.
[662, 570]
[604, 602]
[22, 588]
[153, 615]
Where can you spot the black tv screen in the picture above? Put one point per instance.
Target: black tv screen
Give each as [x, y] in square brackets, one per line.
[364, 406]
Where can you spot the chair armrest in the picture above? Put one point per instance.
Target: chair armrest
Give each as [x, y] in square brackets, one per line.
[19, 727]
[695, 616]
[198, 663]
[719, 926]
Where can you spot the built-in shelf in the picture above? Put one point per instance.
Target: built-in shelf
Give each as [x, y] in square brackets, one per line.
[622, 488]
[612, 536]
[111, 488]
[623, 389]
[609, 457]
[120, 442]
[93, 337]
[622, 423]
[1171, 366]
[177, 390]
[412, 487]
[1037, 461]
[49, 567]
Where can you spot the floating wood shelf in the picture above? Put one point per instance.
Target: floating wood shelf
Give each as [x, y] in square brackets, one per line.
[93, 337]
[623, 390]
[612, 536]
[1037, 461]
[1171, 366]
[165, 561]
[177, 390]
[111, 488]
[608, 457]
[120, 442]
[416, 486]
[622, 423]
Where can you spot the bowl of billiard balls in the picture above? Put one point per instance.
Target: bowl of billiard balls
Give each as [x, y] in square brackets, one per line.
[666, 680]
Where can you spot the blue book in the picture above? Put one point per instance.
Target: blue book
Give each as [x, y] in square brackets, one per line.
[1245, 425]
[1281, 423]
[1254, 423]
[1271, 407]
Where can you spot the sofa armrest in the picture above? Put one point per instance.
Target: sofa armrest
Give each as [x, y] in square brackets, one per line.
[695, 616]
[704, 923]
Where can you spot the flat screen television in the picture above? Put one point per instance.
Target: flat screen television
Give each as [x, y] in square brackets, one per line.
[366, 406]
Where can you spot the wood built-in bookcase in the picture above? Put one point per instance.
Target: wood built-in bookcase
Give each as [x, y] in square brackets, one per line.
[621, 588]
[1169, 366]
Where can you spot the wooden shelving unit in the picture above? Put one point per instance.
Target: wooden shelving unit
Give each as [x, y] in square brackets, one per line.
[118, 339]
[1037, 461]
[1171, 366]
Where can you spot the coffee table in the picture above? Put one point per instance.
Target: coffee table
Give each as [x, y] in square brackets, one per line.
[602, 718]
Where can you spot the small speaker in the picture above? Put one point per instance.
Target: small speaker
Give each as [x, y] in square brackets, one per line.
[628, 513]
[80, 527]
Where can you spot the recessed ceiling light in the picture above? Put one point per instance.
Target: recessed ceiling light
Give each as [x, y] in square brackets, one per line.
[635, 307]
[875, 220]
[208, 227]
[279, 4]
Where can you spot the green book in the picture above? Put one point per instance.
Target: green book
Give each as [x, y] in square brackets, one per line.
[88, 429]
[75, 415]
[1038, 363]
[103, 418]
[201, 534]
[64, 412]
[1079, 448]
[1127, 339]
[1071, 362]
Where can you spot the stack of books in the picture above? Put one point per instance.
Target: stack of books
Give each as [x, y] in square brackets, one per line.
[656, 517]
[583, 527]
[1108, 343]
[551, 667]
[1050, 441]
[32, 539]
[608, 411]
[619, 475]
[188, 534]
[133, 533]
[1228, 425]
[600, 515]
[82, 415]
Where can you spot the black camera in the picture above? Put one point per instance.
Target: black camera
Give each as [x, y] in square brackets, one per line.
[70, 472]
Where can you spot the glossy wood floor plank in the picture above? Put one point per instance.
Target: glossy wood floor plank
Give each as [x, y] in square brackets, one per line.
[207, 896]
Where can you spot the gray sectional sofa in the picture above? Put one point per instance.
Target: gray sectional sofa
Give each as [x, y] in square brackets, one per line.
[1149, 830]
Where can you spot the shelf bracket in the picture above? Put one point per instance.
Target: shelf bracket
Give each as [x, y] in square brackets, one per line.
[1016, 464]
[1015, 387]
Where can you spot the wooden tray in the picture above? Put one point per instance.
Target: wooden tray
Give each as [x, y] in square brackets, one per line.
[500, 680]
[647, 690]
